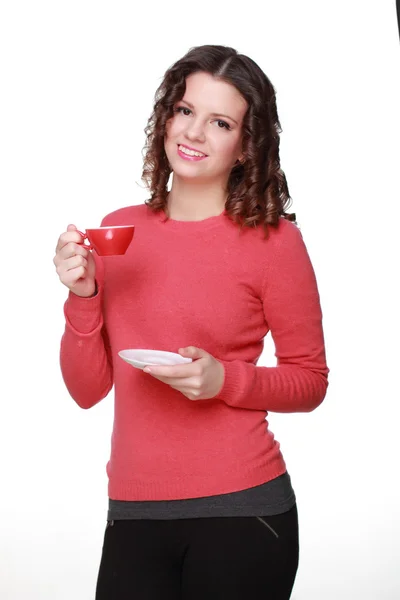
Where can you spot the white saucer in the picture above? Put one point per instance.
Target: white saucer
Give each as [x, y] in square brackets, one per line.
[143, 358]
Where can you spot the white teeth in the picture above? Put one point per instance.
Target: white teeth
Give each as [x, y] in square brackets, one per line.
[190, 152]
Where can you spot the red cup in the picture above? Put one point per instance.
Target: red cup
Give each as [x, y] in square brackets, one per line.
[108, 241]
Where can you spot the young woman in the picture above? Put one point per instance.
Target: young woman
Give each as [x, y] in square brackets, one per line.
[200, 502]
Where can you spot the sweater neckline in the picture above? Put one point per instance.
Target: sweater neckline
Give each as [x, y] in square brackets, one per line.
[190, 226]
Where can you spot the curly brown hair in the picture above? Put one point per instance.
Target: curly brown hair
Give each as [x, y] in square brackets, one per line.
[257, 189]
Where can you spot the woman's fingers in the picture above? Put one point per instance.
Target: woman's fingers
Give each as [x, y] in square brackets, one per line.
[68, 237]
[74, 263]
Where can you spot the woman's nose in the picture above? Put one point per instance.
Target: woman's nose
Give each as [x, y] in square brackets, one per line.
[195, 130]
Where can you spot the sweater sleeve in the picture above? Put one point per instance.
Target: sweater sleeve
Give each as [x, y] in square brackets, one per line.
[85, 354]
[291, 304]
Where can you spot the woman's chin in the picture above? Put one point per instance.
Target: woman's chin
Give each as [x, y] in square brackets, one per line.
[189, 172]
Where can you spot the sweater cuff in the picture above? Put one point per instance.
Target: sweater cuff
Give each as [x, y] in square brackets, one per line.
[234, 386]
[84, 315]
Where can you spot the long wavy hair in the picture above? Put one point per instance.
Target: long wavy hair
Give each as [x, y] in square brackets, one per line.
[257, 189]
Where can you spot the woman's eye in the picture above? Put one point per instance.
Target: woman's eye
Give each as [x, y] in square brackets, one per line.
[186, 112]
[222, 124]
[183, 110]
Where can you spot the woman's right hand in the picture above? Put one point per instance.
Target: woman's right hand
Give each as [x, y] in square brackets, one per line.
[75, 264]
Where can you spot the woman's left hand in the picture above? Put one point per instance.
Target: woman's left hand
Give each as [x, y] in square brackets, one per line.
[201, 379]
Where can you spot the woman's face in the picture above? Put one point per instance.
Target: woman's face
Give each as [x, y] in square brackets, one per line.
[207, 120]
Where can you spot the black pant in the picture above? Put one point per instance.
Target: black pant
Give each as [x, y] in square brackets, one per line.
[217, 558]
[398, 14]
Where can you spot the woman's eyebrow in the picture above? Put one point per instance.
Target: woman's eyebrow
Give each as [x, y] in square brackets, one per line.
[212, 114]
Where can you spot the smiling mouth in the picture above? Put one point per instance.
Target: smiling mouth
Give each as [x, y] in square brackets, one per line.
[189, 152]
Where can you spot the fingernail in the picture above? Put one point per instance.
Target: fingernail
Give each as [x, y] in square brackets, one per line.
[147, 370]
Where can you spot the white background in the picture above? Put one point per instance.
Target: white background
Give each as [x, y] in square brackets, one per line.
[77, 84]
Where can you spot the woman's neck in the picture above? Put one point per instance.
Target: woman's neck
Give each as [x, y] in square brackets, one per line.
[189, 201]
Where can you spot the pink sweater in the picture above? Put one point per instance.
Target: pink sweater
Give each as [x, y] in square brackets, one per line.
[206, 284]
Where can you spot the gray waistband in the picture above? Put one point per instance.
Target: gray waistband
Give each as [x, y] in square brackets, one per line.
[271, 498]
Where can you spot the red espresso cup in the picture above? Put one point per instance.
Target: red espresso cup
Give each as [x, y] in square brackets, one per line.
[108, 241]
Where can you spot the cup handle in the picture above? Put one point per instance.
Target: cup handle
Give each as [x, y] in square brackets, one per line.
[85, 237]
